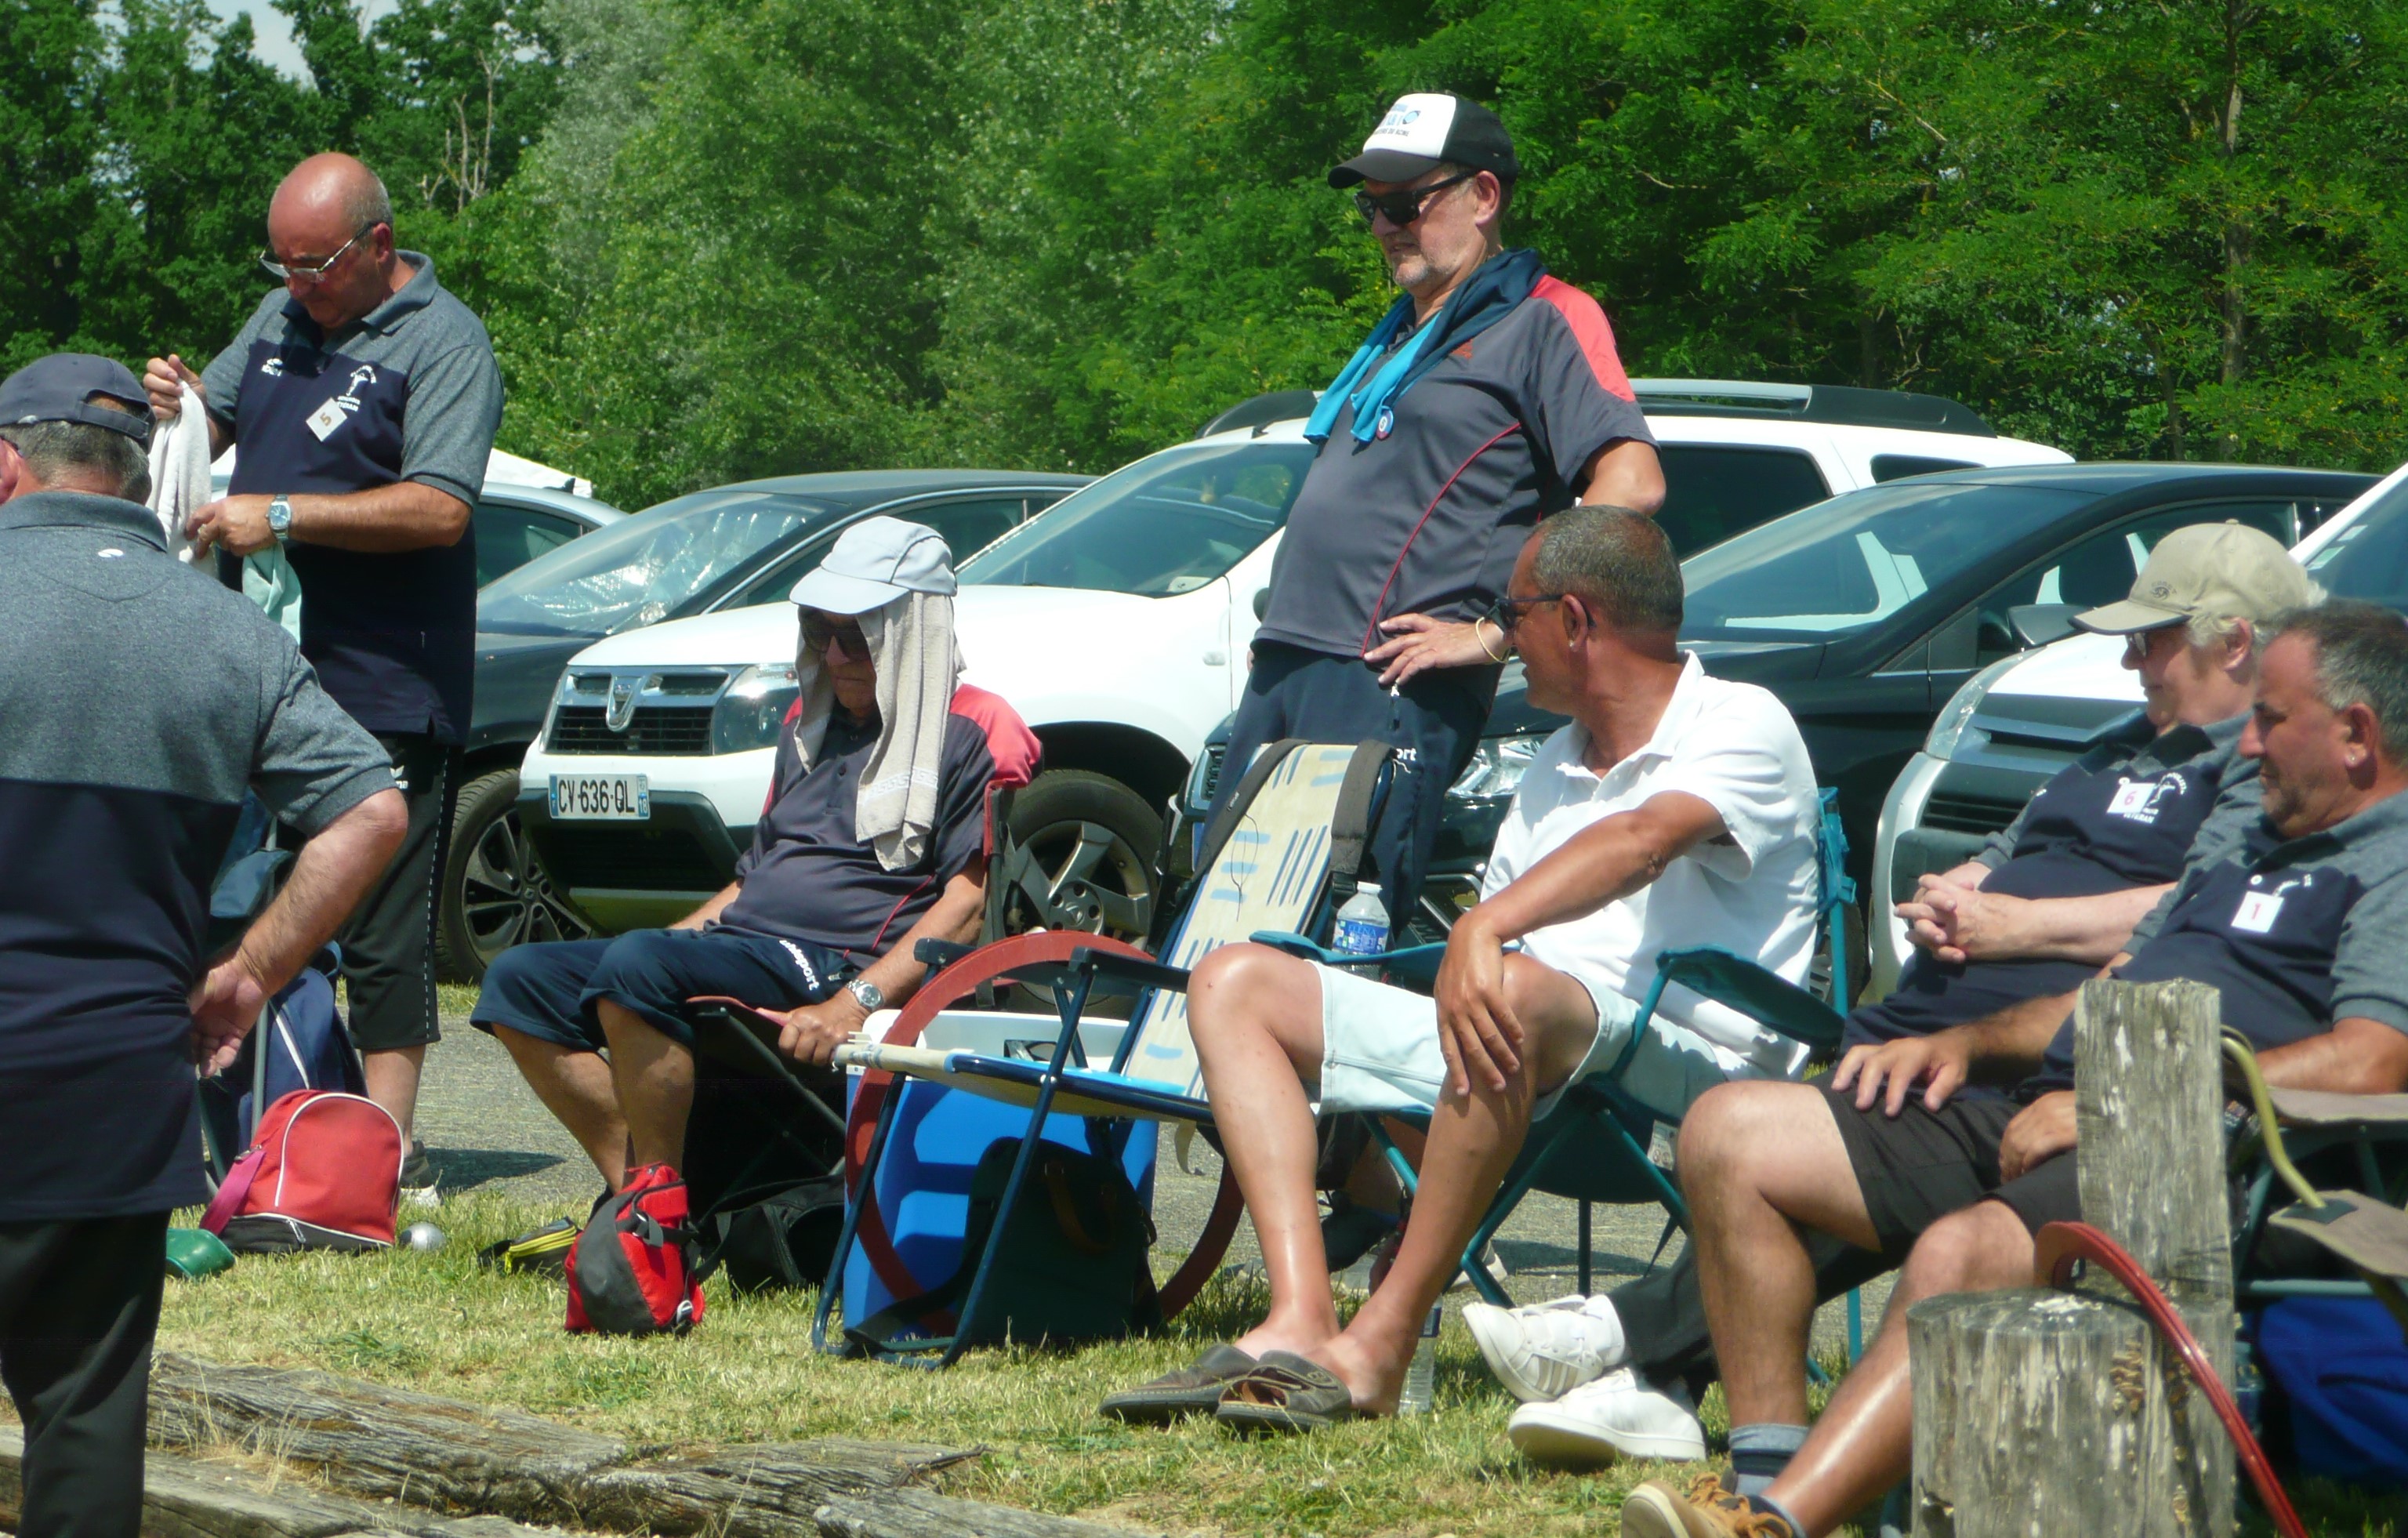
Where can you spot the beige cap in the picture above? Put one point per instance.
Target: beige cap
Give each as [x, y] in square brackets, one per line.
[2217, 570]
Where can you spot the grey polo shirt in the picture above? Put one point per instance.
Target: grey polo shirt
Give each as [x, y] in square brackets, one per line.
[1429, 518]
[141, 700]
[410, 391]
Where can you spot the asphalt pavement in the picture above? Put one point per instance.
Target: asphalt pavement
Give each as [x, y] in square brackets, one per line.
[486, 1131]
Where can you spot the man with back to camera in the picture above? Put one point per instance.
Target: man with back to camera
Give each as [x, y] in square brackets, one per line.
[2297, 924]
[1489, 396]
[364, 398]
[2038, 909]
[111, 826]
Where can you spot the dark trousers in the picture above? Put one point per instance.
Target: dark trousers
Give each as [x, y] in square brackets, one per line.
[78, 1307]
[1434, 722]
[389, 945]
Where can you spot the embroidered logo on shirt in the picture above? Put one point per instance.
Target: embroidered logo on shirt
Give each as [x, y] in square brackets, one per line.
[1463, 352]
[2139, 799]
[273, 368]
[2260, 910]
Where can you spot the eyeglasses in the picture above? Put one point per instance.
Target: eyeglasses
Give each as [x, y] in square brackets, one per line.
[2138, 644]
[313, 273]
[819, 630]
[1402, 208]
[1507, 613]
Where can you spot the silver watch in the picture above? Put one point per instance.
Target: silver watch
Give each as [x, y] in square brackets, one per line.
[869, 995]
[280, 515]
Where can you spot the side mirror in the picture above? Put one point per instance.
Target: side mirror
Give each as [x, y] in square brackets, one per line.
[2038, 623]
[1993, 637]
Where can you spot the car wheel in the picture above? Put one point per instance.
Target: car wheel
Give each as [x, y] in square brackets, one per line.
[496, 892]
[1084, 852]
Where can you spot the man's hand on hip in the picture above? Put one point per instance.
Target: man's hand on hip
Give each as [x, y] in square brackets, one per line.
[160, 379]
[1417, 643]
[1939, 1062]
[1477, 1031]
[234, 523]
[2041, 1132]
[813, 1033]
[225, 1005]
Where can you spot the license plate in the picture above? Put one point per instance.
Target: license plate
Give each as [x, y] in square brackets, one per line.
[616, 798]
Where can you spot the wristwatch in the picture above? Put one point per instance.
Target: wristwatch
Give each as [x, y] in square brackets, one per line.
[869, 995]
[280, 515]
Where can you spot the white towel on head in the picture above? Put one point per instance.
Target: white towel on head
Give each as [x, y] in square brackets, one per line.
[919, 663]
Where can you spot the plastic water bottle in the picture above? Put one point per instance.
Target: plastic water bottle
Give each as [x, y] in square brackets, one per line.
[1420, 1373]
[1362, 926]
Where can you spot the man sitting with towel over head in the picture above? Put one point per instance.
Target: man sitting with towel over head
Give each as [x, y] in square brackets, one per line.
[874, 838]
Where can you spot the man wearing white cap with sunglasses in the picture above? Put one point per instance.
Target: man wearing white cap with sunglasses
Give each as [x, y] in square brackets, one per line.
[875, 837]
[1489, 396]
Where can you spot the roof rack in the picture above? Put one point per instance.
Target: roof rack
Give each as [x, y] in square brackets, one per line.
[1834, 403]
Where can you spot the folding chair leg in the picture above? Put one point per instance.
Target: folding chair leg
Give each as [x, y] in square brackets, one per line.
[1586, 1277]
[1856, 1325]
[849, 1231]
[963, 1321]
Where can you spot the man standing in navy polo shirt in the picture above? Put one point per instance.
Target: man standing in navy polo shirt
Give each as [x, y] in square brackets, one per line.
[364, 397]
[1488, 397]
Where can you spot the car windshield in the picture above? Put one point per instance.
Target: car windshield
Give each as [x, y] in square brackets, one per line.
[1845, 565]
[1168, 524]
[639, 570]
[2368, 559]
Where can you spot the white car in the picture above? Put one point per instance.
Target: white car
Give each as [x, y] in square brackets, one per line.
[2018, 722]
[1116, 622]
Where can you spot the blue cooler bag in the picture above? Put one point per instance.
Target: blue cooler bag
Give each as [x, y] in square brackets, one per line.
[2341, 1366]
[911, 1244]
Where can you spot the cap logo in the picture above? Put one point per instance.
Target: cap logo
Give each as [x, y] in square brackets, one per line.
[2161, 590]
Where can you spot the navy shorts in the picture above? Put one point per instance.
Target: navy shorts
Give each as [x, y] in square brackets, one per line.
[549, 991]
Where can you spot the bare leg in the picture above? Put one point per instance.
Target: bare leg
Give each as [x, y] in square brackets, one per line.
[576, 1087]
[1864, 1441]
[656, 1082]
[1758, 1160]
[1472, 1143]
[1255, 1017]
[392, 1075]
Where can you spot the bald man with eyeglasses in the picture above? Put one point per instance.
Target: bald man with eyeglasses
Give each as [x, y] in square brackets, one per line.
[363, 398]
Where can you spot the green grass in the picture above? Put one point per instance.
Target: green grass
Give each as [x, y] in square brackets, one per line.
[436, 1323]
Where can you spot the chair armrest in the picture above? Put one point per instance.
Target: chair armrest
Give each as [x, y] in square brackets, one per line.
[1413, 964]
[936, 955]
[1127, 974]
[1771, 1000]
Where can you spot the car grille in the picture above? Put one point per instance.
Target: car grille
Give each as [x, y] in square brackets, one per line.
[668, 729]
[1969, 813]
[630, 856]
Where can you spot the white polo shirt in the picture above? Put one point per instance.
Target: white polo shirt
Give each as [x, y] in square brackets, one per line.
[1753, 892]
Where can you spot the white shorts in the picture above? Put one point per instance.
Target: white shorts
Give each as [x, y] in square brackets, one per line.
[1380, 1052]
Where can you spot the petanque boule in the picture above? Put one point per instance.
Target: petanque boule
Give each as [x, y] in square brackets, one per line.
[424, 1236]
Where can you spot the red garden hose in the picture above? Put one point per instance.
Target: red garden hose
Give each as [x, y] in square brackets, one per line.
[2061, 1245]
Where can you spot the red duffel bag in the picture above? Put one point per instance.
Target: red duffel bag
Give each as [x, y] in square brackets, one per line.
[323, 1173]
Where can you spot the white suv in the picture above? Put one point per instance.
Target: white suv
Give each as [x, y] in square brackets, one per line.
[1116, 622]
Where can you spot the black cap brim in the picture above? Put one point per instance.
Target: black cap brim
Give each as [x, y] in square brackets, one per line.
[1380, 165]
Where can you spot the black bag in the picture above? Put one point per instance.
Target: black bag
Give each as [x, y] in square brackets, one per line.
[781, 1237]
[1071, 1267]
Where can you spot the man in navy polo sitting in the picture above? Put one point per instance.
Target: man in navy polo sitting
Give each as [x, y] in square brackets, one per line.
[875, 837]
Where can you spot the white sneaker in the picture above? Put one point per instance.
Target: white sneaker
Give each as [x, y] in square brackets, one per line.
[1616, 1416]
[1544, 1351]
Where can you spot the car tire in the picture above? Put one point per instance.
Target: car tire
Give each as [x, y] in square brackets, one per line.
[495, 891]
[1090, 844]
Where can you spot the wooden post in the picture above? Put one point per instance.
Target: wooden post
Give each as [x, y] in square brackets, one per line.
[2041, 1413]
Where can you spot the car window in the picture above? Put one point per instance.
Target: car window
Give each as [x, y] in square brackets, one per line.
[641, 569]
[1898, 466]
[1841, 566]
[1712, 492]
[1168, 524]
[2368, 559]
[508, 537]
[2100, 569]
[969, 526]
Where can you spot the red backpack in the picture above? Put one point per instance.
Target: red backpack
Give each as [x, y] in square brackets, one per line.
[323, 1173]
[631, 1272]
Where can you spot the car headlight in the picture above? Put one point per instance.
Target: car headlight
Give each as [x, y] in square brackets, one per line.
[753, 708]
[1496, 767]
[1949, 730]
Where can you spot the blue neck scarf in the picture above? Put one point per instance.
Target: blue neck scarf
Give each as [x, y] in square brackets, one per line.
[1503, 281]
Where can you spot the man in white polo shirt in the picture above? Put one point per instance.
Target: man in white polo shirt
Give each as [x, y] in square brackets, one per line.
[1676, 810]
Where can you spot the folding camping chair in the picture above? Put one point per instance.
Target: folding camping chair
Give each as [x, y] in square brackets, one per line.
[1593, 1149]
[1283, 855]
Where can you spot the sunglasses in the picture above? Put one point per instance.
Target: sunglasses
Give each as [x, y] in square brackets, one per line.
[1507, 613]
[313, 272]
[1401, 208]
[819, 630]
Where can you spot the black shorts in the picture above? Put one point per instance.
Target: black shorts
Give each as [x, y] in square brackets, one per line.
[550, 991]
[1915, 1167]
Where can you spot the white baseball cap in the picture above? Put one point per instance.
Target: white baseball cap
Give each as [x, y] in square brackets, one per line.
[876, 562]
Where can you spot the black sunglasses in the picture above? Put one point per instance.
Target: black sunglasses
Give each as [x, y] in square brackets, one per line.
[1506, 614]
[1403, 208]
[818, 630]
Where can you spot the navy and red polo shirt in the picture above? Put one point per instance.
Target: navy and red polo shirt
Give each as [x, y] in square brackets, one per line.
[808, 877]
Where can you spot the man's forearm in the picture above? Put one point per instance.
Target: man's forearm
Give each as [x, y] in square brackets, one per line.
[1609, 859]
[2089, 929]
[2008, 1046]
[334, 871]
[382, 520]
[957, 919]
[711, 909]
[2358, 1056]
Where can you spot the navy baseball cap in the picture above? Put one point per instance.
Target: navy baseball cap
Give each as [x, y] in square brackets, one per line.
[60, 388]
[1430, 129]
